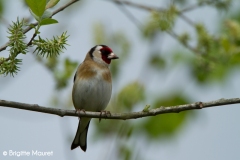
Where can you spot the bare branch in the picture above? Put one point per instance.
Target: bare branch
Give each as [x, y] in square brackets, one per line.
[144, 7]
[199, 4]
[122, 116]
[186, 19]
[30, 42]
[148, 8]
[137, 23]
[130, 16]
[175, 36]
[35, 24]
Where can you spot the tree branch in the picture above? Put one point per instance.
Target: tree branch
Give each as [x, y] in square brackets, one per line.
[199, 4]
[122, 116]
[135, 5]
[4, 47]
[148, 8]
[129, 15]
[175, 36]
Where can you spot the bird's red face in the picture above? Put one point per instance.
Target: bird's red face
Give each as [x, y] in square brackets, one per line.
[107, 54]
[102, 54]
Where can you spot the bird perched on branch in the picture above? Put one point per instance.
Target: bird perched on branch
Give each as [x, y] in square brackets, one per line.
[92, 88]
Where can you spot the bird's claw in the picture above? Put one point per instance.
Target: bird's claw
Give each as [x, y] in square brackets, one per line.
[105, 112]
[78, 111]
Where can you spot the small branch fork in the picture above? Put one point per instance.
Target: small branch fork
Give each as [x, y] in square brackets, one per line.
[121, 116]
[4, 47]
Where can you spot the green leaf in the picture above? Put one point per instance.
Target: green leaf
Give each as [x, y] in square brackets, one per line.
[52, 3]
[37, 6]
[48, 21]
[34, 15]
[46, 14]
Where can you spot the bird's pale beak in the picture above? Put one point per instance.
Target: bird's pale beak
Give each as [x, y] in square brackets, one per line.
[112, 56]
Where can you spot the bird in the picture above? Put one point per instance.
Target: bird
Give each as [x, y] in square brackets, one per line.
[92, 88]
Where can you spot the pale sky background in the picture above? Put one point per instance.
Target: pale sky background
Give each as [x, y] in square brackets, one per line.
[213, 135]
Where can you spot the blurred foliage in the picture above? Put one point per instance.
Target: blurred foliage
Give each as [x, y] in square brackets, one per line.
[118, 42]
[165, 125]
[130, 95]
[215, 54]
[221, 4]
[125, 152]
[1, 7]
[184, 38]
[219, 54]
[160, 20]
[156, 61]
[62, 76]
[62, 69]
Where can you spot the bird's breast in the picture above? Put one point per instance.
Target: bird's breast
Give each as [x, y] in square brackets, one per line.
[92, 94]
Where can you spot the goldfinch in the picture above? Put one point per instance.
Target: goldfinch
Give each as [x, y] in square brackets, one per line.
[92, 88]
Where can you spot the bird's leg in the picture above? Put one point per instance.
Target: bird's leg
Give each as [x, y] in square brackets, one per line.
[105, 112]
[78, 111]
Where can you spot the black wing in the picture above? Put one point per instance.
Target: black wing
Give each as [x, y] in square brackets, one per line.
[74, 77]
[76, 73]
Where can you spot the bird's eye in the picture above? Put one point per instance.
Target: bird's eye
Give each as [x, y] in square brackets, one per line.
[105, 52]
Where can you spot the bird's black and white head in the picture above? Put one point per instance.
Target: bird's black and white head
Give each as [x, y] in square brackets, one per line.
[102, 54]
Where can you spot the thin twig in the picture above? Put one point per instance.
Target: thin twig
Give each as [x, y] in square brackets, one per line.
[144, 7]
[130, 16]
[64, 6]
[137, 23]
[35, 24]
[122, 116]
[186, 19]
[148, 8]
[30, 42]
[194, 6]
[175, 36]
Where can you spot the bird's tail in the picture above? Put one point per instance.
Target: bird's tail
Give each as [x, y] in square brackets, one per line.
[81, 135]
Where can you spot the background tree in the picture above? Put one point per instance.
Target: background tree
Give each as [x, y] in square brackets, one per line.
[171, 53]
